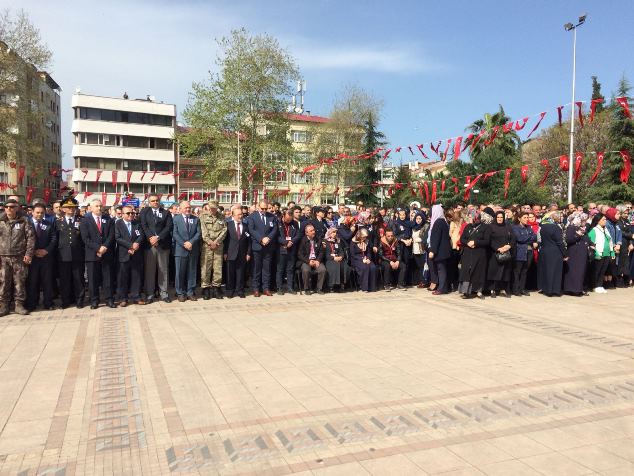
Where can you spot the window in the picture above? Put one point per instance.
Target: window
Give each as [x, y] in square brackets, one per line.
[327, 179]
[88, 163]
[279, 175]
[299, 178]
[136, 188]
[327, 199]
[225, 197]
[296, 197]
[133, 141]
[135, 165]
[161, 166]
[124, 116]
[300, 136]
[302, 158]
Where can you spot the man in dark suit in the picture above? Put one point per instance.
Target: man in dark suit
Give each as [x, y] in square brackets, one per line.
[129, 237]
[287, 238]
[70, 255]
[237, 251]
[311, 254]
[156, 223]
[186, 252]
[97, 232]
[41, 268]
[263, 230]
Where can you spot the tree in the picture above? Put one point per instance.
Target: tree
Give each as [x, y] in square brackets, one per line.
[247, 98]
[508, 142]
[22, 55]
[373, 139]
[596, 93]
[401, 191]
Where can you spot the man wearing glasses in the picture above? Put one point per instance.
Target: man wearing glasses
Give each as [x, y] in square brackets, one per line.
[156, 223]
[17, 245]
[263, 230]
[129, 237]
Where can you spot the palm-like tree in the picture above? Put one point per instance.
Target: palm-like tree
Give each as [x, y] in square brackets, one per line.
[507, 141]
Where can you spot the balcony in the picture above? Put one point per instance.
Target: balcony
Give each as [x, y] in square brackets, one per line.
[122, 128]
[126, 153]
[122, 177]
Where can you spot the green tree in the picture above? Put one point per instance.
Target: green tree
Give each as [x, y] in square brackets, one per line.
[507, 142]
[247, 97]
[368, 174]
[22, 55]
[596, 93]
[401, 191]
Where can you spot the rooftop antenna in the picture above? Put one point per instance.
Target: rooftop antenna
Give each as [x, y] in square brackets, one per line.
[298, 98]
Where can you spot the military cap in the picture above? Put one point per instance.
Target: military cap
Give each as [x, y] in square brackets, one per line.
[213, 204]
[69, 202]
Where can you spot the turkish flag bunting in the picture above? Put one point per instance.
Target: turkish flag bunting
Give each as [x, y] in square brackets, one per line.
[104, 197]
[455, 184]
[117, 197]
[578, 162]
[182, 196]
[518, 126]
[596, 173]
[87, 194]
[397, 150]
[98, 176]
[305, 170]
[410, 149]
[593, 107]
[627, 166]
[467, 141]
[508, 127]
[127, 181]
[470, 185]
[547, 169]
[114, 178]
[457, 148]
[564, 163]
[143, 175]
[442, 186]
[478, 137]
[580, 111]
[21, 171]
[387, 152]
[420, 148]
[153, 175]
[47, 194]
[29, 194]
[541, 118]
[559, 114]
[493, 135]
[433, 191]
[412, 190]
[507, 181]
[626, 107]
[436, 149]
[524, 173]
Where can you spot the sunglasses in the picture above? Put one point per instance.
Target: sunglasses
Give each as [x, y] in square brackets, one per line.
[130, 213]
[11, 206]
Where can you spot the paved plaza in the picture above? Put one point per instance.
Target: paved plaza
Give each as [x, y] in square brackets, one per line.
[385, 383]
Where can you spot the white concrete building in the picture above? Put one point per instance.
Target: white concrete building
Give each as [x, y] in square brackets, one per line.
[122, 146]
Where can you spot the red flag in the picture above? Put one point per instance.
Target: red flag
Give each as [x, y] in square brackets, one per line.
[412, 190]
[524, 173]
[117, 197]
[54, 171]
[541, 118]
[508, 127]
[519, 127]
[596, 173]
[507, 181]
[397, 150]
[128, 179]
[442, 185]
[457, 148]
[455, 184]
[426, 192]
[153, 175]
[436, 149]
[420, 148]
[579, 108]
[387, 152]
[578, 161]
[559, 114]
[470, 185]
[627, 166]
[305, 170]
[564, 163]
[114, 178]
[47, 194]
[182, 196]
[410, 149]
[626, 107]
[21, 170]
[466, 142]
[104, 197]
[547, 169]
[478, 137]
[593, 106]
[98, 176]
[29, 194]
[143, 175]
[444, 155]
[433, 191]
[87, 194]
[492, 137]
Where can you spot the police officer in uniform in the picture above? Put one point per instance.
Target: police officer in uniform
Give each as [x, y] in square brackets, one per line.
[214, 230]
[70, 255]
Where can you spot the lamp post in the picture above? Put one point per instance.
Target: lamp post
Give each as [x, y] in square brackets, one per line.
[573, 27]
[239, 171]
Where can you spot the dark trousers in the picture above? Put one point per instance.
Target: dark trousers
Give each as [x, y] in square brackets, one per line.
[261, 279]
[235, 275]
[285, 268]
[392, 276]
[99, 275]
[307, 271]
[599, 267]
[520, 271]
[40, 277]
[439, 274]
[71, 282]
[129, 279]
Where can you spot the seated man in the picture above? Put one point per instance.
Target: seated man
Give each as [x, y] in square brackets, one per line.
[310, 257]
[394, 267]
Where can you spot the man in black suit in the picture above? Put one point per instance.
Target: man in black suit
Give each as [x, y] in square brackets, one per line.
[70, 255]
[311, 253]
[97, 231]
[129, 237]
[288, 237]
[41, 268]
[263, 230]
[237, 251]
[156, 223]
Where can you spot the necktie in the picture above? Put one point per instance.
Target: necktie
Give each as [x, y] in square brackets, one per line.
[69, 221]
[263, 218]
[129, 228]
[38, 228]
[186, 218]
[238, 229]
[98, 221]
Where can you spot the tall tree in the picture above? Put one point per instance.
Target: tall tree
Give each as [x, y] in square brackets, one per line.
[22, 55]
[245, 97]
[596, 93]
[508, 142]
[368, 173]
[401, 194]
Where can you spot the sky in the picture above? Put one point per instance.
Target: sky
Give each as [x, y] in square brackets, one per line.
[437, 66]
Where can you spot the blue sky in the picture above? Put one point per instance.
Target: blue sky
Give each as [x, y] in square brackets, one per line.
[437, 65]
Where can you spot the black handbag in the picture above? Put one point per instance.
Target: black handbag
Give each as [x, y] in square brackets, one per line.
[503, 257]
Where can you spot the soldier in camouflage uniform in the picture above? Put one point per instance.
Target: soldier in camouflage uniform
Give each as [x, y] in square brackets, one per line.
[214, 229]
[17, 244]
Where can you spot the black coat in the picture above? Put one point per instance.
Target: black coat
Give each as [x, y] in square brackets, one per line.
[439, 241]
[160, 226]
[46, 237]
[293, 234]
[551, 259]
[575, 267]
[473, 262]
[236, 248]
[125, 240]
[93, 239]
[303, 250]
[70, 246]
[500, 235]
[623, 258]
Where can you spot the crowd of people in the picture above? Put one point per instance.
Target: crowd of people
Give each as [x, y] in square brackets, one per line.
[123, 255]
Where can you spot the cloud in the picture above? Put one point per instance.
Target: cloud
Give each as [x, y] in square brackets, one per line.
[401, 60]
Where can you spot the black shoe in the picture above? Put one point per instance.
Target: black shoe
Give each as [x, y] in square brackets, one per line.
[321, 292]
[229, 295]
[292, 291]
[218, 293]
[110, 303]
[167, 300]
[80, 304]
[206, 293]
[241, 295]
[94, 305]
[525, 293]
[280, 292]
[308, 292]
[149, 300]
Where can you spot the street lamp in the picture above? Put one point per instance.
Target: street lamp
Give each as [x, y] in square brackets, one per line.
[573, 27]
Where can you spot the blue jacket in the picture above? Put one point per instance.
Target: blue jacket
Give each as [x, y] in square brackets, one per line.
[259, 228]
[524, 236]
[183, 233]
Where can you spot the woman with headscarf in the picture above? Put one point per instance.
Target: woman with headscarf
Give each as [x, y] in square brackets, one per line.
[335, 260]
[402, 227]
[611, 225]
[525, 240]
[602, 251]
[501, 258]
[577, 253]
[419, 248]
[456, 224]
[631, 247]
[531, 275]
[475, 240]
[439, 249]
[362, 258]
[623, 258]
[552, 254]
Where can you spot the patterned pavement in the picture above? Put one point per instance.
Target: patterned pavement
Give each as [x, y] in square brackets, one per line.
[399, 383]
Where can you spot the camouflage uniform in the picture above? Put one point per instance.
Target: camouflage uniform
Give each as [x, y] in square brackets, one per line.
[17, 240]
[214, 230]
